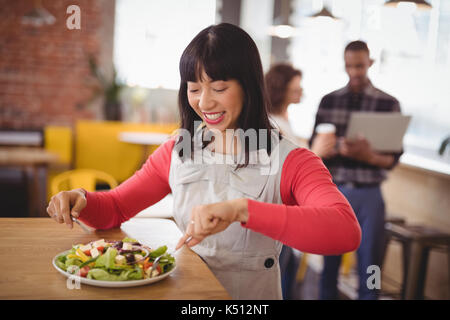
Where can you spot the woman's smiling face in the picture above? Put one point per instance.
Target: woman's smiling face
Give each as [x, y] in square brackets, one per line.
[218, 103]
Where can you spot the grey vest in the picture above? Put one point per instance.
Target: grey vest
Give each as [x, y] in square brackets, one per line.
[244, 261]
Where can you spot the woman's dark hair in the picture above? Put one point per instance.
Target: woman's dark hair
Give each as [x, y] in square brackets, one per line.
[226, 52]
[277, 80]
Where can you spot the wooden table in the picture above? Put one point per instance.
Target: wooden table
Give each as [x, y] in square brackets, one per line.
[30, 160]
[28, 245]
[144, 138]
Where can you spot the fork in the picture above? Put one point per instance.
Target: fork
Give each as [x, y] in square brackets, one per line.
[82, 225]
[156, 262]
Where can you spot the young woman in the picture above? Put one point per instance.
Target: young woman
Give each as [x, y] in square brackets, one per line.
[238, 213]
[283, 83]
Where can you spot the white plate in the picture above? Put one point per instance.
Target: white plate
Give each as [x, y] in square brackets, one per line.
[110, 284]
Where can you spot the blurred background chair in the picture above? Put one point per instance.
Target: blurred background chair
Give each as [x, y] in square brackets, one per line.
[81, 178]
[98, 146]
[58, 140]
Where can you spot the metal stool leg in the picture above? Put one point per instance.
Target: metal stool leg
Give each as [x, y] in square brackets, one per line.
[406, 253]
[415, 281]
[387, 239]
[448, 266]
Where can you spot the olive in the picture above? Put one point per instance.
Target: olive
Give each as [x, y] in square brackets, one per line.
[130, 258]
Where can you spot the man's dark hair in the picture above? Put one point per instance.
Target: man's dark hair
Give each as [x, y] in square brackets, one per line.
[357, 46]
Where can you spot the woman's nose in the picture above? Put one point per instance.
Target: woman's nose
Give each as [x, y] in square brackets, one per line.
[206, 101]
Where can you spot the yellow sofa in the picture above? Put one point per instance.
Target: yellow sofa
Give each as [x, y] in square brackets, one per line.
[97, 146]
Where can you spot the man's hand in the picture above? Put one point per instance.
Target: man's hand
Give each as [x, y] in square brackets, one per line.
[324, 145]
[358, 149]
[361, 150]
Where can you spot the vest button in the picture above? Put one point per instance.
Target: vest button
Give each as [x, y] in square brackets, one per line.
[269, 263]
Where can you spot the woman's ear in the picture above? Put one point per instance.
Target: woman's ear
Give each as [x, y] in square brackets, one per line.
[371, 62]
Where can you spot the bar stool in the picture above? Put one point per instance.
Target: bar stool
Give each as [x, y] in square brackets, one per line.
[349, 258]
[387, 238]
[417, 241]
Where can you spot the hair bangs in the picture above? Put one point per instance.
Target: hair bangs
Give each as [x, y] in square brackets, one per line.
[208, 57]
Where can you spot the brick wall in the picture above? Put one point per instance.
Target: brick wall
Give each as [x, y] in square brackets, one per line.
[44, 71]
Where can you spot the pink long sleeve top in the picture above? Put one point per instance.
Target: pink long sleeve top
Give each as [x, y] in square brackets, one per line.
[315, 217]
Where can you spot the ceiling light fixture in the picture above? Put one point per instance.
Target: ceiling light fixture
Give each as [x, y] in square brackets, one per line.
[420, 4]
[324, 13]
[281, 27]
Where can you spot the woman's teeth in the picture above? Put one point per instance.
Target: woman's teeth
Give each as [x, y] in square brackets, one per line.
[214, 116]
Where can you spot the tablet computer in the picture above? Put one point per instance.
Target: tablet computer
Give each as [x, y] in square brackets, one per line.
[383, 130]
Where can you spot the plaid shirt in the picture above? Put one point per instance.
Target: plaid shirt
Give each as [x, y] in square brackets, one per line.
[336, 108]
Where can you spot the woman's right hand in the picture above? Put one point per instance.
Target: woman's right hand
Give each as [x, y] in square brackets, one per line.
[66, 204]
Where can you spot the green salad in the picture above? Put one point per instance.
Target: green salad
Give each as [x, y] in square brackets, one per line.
[115, 260]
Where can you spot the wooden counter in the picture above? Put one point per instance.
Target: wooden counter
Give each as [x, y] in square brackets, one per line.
[28, 245]
[30, 161]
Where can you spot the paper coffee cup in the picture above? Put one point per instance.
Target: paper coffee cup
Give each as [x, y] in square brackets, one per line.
[326, 128]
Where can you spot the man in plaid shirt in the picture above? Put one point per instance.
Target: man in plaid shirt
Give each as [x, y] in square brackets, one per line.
[356, 169]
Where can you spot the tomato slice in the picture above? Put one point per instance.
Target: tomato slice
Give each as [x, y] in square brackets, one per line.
[87, 252]
[149, 264]
[101, 249]
[84, 271]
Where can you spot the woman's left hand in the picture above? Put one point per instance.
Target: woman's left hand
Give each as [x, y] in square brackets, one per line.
[212, 218]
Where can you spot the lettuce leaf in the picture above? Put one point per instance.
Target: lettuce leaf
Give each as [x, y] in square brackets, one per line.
[136, 274]
[101, 274]
[107, 259]
[166, 262]
[157, 252]
[60, 265]
[104, 275]
[62, 258]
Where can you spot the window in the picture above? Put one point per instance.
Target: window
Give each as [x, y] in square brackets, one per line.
[411, 49]
[150, 36]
